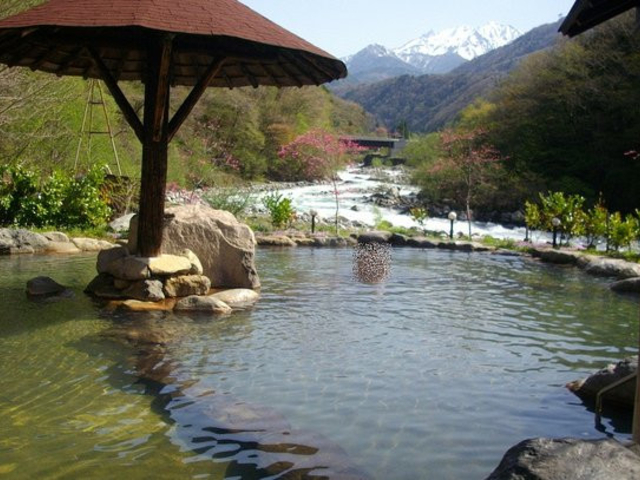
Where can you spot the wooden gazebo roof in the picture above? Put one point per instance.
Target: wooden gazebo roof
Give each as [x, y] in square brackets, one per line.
[55, 37]
[587, 14]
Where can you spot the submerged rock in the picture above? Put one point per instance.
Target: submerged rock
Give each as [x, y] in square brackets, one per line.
[237, 298]
[622, 396]
[568, 459]
[629, 285]
[47, 287]
[195, 303]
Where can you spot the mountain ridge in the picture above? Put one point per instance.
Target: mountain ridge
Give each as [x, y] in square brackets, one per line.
[428, 102]
[434, 52]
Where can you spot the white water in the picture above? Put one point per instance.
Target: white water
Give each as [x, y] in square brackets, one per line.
[357, 184]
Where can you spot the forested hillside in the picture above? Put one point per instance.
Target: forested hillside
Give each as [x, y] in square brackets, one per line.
[427, 103]
[571, 115]
[566, 120]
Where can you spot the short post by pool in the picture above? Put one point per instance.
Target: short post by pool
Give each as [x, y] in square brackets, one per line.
[452, 218]
[313, 214]
[556, 222]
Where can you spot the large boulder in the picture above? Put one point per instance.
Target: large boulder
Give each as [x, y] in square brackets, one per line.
[622, 396]
[225, 246]
[568, 459]
[21, 241]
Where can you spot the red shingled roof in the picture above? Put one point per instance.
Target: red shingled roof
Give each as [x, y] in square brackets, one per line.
[259, 51]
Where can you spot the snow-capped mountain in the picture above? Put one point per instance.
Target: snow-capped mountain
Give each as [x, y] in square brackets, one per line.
[458, 44]
[376, 62]
[435, 53]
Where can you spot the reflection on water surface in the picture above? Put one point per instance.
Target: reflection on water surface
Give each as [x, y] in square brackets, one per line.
[432, 373]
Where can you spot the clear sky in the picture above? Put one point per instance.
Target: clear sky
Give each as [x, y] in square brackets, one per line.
[343, 27]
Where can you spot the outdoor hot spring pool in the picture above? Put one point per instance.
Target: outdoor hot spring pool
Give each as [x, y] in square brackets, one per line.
[432, 374]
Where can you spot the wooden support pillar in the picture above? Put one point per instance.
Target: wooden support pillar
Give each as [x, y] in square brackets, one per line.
[154, 148]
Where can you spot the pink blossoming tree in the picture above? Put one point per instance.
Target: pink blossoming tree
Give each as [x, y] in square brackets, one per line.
[316, 155]
[468, 166]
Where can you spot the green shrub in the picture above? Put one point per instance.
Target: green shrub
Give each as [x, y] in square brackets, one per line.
[233, 200]
[280, 209]
[621, 231]
[56, 201]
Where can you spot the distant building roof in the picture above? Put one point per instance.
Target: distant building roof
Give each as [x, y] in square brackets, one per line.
[587, 14]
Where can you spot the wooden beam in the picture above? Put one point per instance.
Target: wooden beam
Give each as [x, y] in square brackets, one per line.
[164, 83]
[111, 83]
[196, 92]
[252, 79]
[69, 58]
[290, 74]
[37, 63]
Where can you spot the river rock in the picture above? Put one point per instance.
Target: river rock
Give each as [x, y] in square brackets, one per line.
[339, 242]
[46, 286]
[129, 268]
[421, 242]
[559, 257]
[202, 304]
[398, 240]
[196, 264]
[629, 285]
[62, 247]
[91, 244]
[187, 285]
[375, 237]
[568, 459]
[122, 284]
[168, 265]
[305, 241]
[609, 267]
[237, 298]
[121, 224]
[274, 241]
[56, 237]
[622, 396]
[145, 291]
[105, 257]
[225, 246]
[21, 241]
[140, 306]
